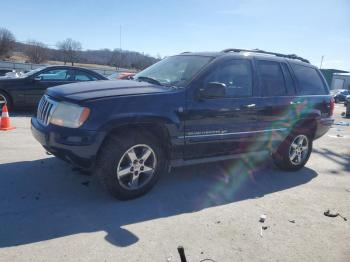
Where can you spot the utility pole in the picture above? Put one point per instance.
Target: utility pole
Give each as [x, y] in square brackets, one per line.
[120, 37]
[321, 62]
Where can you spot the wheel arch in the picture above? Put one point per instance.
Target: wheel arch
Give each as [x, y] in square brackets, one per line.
[307, 126]
[158, 129]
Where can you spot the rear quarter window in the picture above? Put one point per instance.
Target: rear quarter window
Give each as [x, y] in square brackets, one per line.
[309, 80]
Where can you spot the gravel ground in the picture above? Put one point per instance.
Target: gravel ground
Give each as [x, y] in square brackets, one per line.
[51, 212]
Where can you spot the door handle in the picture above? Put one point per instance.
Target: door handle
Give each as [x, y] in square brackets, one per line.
[249, 106]
[295, 102]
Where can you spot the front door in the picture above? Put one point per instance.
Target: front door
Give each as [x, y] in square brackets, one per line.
[46, 79]
[225, 125]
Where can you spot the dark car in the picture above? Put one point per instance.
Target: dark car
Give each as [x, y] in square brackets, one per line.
[341, 95]
[27, 89]
[187, 109]
[347, 104]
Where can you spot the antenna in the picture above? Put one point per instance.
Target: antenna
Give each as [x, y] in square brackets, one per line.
[321, 62]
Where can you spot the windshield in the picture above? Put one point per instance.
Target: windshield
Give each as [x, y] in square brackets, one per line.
[174, 71]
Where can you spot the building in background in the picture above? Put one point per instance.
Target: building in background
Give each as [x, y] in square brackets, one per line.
[341, 81]
[328, 75]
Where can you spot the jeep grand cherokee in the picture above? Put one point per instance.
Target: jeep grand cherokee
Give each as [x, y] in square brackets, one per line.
[186, 109]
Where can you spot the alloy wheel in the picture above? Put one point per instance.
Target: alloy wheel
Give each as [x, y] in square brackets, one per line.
[299, 150]
[2, 100]
[136, 167]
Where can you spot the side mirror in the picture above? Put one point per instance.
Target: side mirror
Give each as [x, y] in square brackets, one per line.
[37, 78]
[213, 90]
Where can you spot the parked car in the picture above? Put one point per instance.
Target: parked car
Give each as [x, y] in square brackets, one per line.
[121, 76]
[187, 109]
[340, 95]
[25, 90]
[347, 104]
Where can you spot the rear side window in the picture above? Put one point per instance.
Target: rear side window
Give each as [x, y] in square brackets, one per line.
[310, 82]
[271, 78]
[82, 76]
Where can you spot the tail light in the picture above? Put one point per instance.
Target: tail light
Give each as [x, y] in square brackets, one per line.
[331, 106]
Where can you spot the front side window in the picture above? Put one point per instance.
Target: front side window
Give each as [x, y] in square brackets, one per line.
[310, 82]
[271, 78]
[56, 75]
[236, 75]
[175, 71]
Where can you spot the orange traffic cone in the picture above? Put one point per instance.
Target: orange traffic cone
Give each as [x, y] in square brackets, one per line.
[5, 120]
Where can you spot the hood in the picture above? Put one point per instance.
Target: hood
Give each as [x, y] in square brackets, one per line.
[107, 88]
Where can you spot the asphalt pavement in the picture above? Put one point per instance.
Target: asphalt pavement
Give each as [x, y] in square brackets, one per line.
[50, 211]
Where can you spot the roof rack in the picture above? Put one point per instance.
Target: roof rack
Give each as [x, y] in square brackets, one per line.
[291, 56]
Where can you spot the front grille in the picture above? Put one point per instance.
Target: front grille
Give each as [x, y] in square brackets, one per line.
[45, 110]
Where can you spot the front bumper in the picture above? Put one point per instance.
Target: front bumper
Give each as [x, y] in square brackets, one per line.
[76, 146]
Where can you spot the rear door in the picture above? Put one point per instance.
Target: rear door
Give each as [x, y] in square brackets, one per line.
[46, 79]
[225, 125]
[276, 106]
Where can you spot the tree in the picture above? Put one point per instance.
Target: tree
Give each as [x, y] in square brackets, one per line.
[7, 41]
[37, 52]
[118, 59]
[70, 50]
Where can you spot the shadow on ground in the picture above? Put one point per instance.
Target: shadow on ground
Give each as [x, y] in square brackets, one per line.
[342, 159]
[43, 199]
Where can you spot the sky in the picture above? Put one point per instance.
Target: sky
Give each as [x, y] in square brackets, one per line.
[308, 28]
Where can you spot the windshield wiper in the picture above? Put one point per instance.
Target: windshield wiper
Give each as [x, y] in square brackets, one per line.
[149, 80]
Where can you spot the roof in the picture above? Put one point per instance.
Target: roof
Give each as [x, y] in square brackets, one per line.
[252, 53]
[66, 66]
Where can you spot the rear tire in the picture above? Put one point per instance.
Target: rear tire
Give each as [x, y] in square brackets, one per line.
[129, 164]
[294, 152]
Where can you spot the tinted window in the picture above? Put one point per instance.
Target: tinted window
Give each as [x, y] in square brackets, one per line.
[56, 75]
[288, 79]
[310, 82]
[271, 78]
[83, 76]
[236, 75]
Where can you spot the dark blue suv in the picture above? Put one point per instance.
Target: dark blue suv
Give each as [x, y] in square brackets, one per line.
[187, 109]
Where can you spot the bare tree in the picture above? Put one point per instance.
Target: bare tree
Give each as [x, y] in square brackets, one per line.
[7, 41]
[37, 52]
[70, 50]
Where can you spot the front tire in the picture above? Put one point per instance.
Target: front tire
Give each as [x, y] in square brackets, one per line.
[130, 164]
[5, 99]
[294, 152]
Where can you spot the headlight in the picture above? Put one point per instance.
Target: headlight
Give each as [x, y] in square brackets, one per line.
[69, 115]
